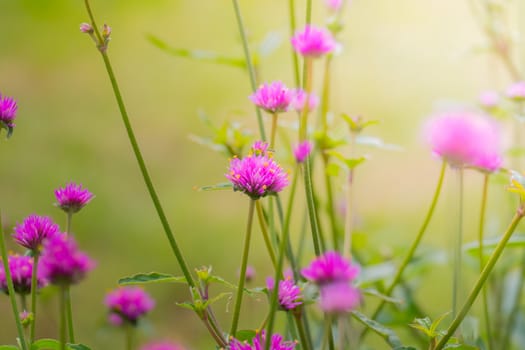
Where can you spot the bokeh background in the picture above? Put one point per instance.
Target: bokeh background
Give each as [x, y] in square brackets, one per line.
[399, 60]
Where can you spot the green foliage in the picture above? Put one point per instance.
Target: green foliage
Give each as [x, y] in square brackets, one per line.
[151, 277]
[52, 344]
[245, 335]
[384, 332]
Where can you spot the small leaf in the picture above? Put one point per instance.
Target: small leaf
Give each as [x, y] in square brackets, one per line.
[386, 333]
[376, 142]
[377, 294]
[332, 169]
[151, 277]
[46, 344]
[216, 187]
[8, 347]
[78, 347]
[516, 241]
[216, 298]
[245, 335]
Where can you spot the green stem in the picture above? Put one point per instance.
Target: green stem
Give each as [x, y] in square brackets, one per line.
[10, 287]
[311, 205]
[347, 241]
[330, 205]
[287, 219]
[242, 275]
[490, 344]
[308, 11]
[482, 278]
[249, 64]
[413, 247]
[307, 81]
[510, 325]
[456, 279]
[63, 321]
[69, 307]
[266, 236]
[34, 288]
[295, 59]
[140, 160]
[129, 329]
[305, 344]
[274, 130]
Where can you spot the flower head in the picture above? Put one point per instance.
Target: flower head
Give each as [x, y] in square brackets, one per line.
[250, 273]
[517, 91]
[128, 304]
[463, 139]
[330, 267]
[302, 151]
[276, 343]
[339, 297]
[299, 100]
[72, 197]
[86, 28]
[162, 345]
[289, 293]
[273, 98]
[34, 230]
[21, 269]
[489, 99]
[313, 41]
[62, 263]
[334, 5]
[257, 175]
[8, 108]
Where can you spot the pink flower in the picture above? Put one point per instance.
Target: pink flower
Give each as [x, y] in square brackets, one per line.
[128, 304]
[289, 293]
[273, 98]
[334, 5]
[302, 151]
[34, 230]
[313, 41]
[489, 99]
[8, 108]
[464, 139]
[86, 28]
[299, 100]
[163, 345]
[339, 297]
[21, 269]
[330, 267]
[72, 198]
[257, 175]
[276, 343]
[62, 263]
[517, 91]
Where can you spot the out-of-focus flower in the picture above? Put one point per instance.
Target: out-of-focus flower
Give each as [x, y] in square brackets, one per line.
[517, 91]
[334, 5]
[289, 293]
[86, 28]
[250, 273]
[302, 151]
[276, 343]
[34, 230]
[339, 297]
[21, 269]
[299, 100]
[329, 268]
[313, 41]
[8, 108]
[489, 99]
[62, 263]
[257, 175]
[128, 304]
[162, 345]
[273, 98]
[72, 197]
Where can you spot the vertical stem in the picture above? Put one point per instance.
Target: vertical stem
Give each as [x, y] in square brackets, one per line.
[69, 307]
[265, 234]
[456, 283]
[347, 243]
[140, 160]
[308, 11]
[295, 60]
[274, 130]
[311, 205]
[482, 260]
[249, 63]
[482, 278]
[63, 321]
[242, 275]
[307, 82]
[305, 344]
[129, 329]
[34, 288]
[10, 287]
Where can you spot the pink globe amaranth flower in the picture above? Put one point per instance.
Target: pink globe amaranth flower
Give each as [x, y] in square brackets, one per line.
[463, 138]
[489, 99]
[313, 41]
[517, 91]
[299, 100]
[257, 175]
[334, 5]
[273, 98]
[21, 269]
[62, 263]
[8, 108]
[276, 343]
[128, 303]
[34, 230]
[302, 151]
[72, 197]
[339, 297]
[289, 294]
[162, 345]
[330, 267]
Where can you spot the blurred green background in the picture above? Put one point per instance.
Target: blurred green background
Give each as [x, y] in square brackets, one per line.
[399, 59]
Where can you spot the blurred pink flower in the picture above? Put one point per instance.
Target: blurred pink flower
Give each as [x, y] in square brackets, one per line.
[128, 304]
[21, 269]
[34, 230]
[302, 151]
[8, 108]
[330, 267]
[489, 99]
[517, 91]
[313, 41]
[299, 100]
[162, 345]
[273, 98]
[276, 343]
[334, 5]
[339, 297]
[289, 294]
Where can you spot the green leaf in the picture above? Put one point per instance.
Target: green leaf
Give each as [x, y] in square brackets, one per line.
[516, 241]
[386, 333]
[46, 344]
[151, 277]
[217, 298]
[8, 347]
[78, 347]
[216, 187]
[199, 55]
[375, 293]
[245, 335]
[377, 143]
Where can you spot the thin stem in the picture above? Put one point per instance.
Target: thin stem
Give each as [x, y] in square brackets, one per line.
[287, 219]
[69, 220]
[347, 242]
[34, 288]
[330, 205]
[413, 247]
[266, 236]
[214, 331]
[308, 11]
[510, 325]
[249, 63]
[484, 290]
[456, 282]
[295, 59]
[63, 321]
[307, 81]
[129, 329]
[305, 344]
[140, 160]
[10, 287]
[482, 278]
[23, 302]
[69, 306]
[274, 130]
[311, 205]
[242, 275]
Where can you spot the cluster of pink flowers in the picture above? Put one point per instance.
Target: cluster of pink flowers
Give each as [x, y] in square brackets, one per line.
[257, 175]
[334, 274]
[465, 139]
[21, 269]
[34, 230]
[289, 294]
[128, 304]
[276, 343]
[72, 197]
